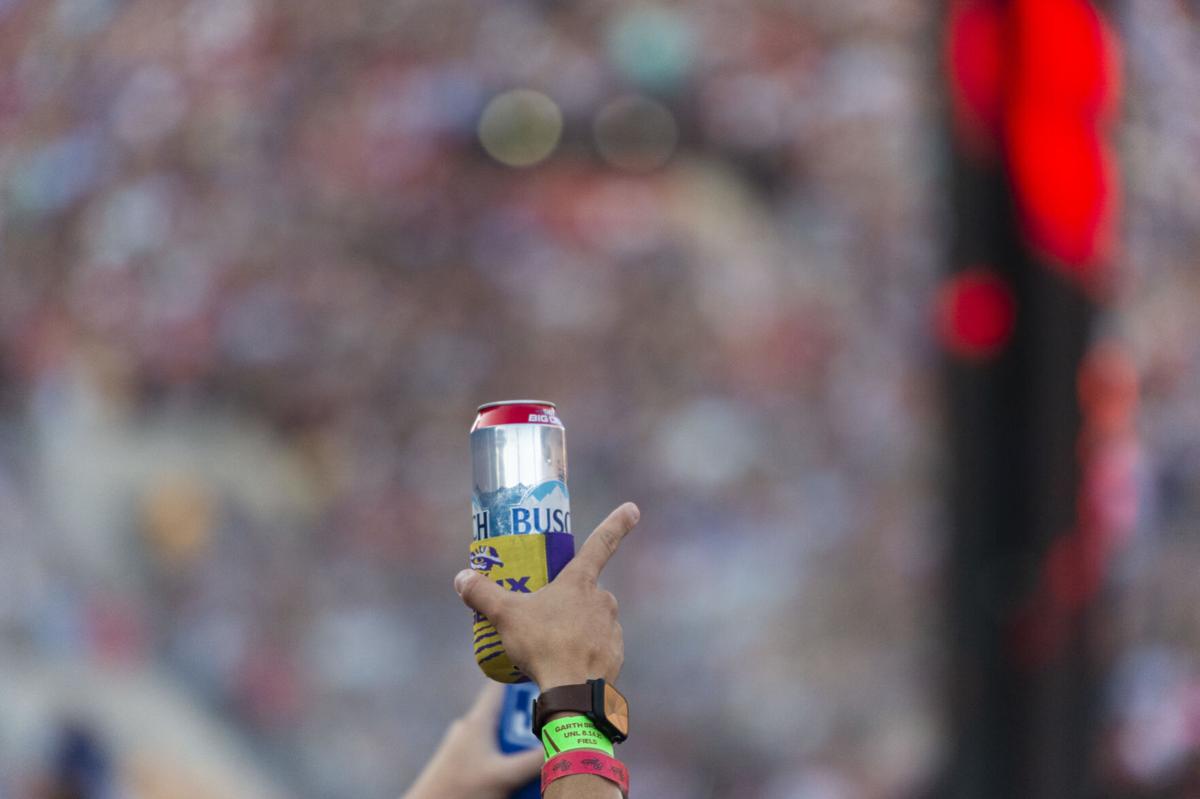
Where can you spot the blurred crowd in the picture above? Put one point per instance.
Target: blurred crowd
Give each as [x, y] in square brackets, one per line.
[1152, 746]
[260, 261]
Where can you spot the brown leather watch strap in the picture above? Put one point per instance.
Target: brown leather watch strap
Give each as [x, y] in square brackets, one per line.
[562, 699]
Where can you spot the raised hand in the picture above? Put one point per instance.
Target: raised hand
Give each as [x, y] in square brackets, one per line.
[566, 632]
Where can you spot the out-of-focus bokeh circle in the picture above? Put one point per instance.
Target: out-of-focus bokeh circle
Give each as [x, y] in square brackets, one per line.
[520, 127]
[636, 133]
[976, 313]
[652, 46]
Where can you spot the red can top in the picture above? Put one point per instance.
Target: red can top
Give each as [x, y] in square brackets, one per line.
[522, 411]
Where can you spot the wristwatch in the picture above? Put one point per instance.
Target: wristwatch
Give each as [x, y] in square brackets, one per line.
[596, 699]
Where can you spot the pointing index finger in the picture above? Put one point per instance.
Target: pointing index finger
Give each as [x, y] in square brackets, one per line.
[604, 540]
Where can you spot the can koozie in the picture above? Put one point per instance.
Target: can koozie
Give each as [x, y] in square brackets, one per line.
[519, 563]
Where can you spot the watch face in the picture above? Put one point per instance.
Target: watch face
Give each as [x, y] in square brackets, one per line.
[616, 709]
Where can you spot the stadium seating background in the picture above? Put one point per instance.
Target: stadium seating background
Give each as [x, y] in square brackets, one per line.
[257, 270]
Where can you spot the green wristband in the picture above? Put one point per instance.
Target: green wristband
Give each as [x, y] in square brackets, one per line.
[573, 732]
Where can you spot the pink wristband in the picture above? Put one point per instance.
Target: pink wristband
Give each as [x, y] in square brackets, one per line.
[586, 761]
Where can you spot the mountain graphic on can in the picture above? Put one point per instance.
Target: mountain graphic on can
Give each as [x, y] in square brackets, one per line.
[521, 511]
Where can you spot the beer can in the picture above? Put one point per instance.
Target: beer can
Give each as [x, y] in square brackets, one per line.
[521, 510]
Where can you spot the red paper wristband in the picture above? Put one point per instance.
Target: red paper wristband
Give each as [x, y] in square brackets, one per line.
[586, 761]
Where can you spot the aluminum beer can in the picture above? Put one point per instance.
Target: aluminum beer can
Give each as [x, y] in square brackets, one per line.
[521, 511]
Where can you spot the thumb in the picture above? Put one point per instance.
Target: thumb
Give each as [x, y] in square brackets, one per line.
[480, 594]
[518, 769]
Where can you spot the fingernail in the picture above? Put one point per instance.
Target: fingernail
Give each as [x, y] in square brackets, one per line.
[461, 579]
[634, 511]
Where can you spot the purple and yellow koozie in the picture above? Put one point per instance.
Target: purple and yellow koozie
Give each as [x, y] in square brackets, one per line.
[522, 563]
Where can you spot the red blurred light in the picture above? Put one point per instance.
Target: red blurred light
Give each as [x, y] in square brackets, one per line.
[1074, 569]
[976, 314]
[1062, 81]
[1108, 388]
[975, 57]
[1065, 57]
[1063, 176]
[1043, 74]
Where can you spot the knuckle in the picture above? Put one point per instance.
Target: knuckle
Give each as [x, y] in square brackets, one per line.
[609, 602]
[610, 540]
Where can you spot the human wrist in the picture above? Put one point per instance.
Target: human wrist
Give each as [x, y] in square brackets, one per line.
[554, 679]
[599, 702]
[595, 774]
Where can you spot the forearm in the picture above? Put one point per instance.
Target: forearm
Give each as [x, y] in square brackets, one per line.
[435, 782]
[582, 786]
[422, 790]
